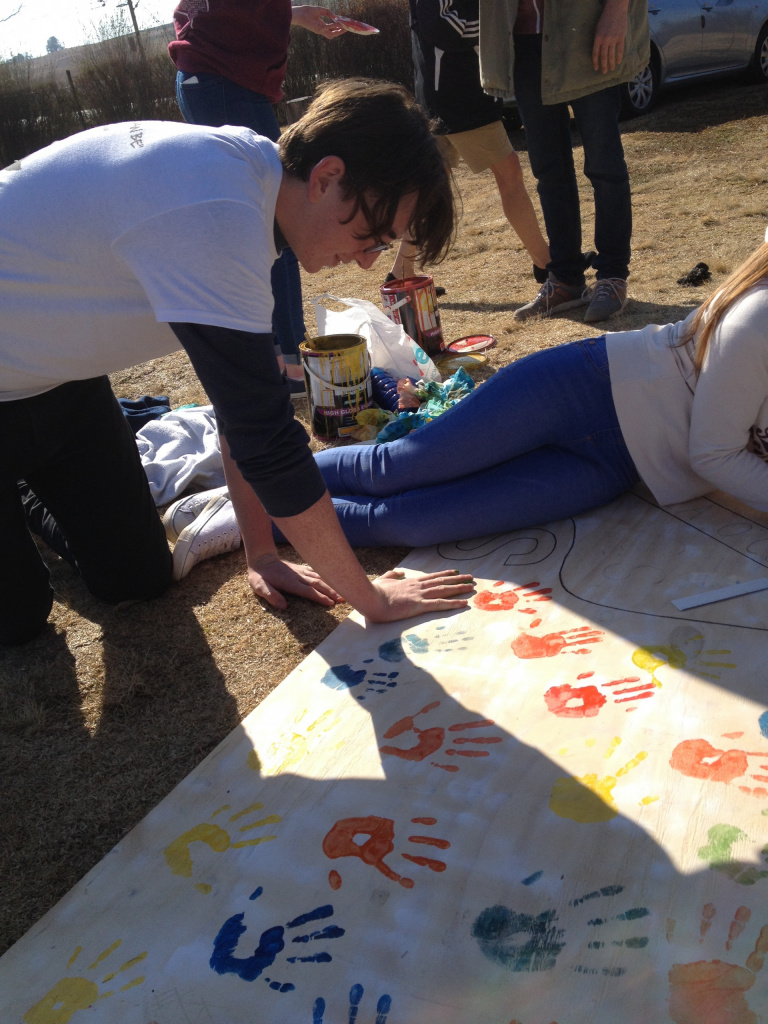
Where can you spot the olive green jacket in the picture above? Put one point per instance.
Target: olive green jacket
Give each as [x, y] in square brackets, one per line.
[569, 30]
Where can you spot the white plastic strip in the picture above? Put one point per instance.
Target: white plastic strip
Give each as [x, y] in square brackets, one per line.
[735, 590]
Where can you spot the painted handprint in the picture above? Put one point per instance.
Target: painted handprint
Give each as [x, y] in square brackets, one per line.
[345, 677]
[75, 993]
[340, 842]
[589, 798]
[430, 740]
[292, 747]
[529, 645]
[718, 854]
[399, 648]
[271, 943]
[520, 941]
[356, 993]
[178, 855]
[568, 701]
[699, 759]
[498, 600]
[713, 991]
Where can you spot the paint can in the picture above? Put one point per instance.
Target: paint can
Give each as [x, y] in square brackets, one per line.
[412, 302]
[337, 371]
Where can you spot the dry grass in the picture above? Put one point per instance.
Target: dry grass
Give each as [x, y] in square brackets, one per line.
[111, 707]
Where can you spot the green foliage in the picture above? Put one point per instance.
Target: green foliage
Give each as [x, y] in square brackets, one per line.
[32, 115]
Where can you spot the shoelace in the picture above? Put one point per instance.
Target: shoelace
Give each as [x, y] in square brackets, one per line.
[605, 288]
[220, 541]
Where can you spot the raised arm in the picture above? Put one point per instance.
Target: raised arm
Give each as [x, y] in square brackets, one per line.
[316, 19]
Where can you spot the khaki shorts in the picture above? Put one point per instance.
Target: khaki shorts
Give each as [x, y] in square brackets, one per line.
[480, 148]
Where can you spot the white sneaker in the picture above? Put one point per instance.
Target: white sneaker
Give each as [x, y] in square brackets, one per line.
[184, 511]
[213, 532]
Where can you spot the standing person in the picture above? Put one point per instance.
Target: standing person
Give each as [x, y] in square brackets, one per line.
[231, 57]
[444, 36]
[551, 54]
[126, 242]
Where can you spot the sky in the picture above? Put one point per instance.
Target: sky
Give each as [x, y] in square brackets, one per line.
[71, 21]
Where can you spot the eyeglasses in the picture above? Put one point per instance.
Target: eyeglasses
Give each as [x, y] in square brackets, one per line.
[381, 247]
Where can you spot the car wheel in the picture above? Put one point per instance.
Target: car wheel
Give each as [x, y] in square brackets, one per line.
[639, 95]
[758, 69]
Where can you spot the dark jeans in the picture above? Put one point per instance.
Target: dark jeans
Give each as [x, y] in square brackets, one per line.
[548, 135]
[210, 99]
[74, 449]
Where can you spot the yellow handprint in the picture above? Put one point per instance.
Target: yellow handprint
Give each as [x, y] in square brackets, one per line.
[590, 798]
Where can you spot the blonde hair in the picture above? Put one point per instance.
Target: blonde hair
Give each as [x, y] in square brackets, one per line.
[711, 312]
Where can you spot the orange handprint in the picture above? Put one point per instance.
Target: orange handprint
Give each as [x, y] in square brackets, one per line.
[698, 759]
[528, 645]
[340, 842]
[430, 740]
[712, 991]
[504, 600]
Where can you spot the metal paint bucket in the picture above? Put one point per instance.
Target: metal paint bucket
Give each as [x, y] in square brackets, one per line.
[337, 371]
[412, 302]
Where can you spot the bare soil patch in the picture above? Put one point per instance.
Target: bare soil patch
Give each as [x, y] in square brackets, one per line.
[111, 707]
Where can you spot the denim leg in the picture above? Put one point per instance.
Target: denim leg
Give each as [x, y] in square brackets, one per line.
[597, 118]
[213, 100]
[555, 397]
[550, 151]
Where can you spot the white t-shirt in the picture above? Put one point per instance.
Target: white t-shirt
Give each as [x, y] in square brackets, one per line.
[111, 234]
[689, 436]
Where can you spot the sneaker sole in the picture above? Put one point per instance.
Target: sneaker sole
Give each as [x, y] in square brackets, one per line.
[561, 307]
[182, 565]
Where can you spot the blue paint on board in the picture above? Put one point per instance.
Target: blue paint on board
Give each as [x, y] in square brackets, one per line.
[313, 915]
[256, 893]
[633, 914]
[519, 942]
[606, 890]
[343, 677]
[356, 993]
[763, 723]
[533, 878]
[392, 650]
[224, 961]
[318, 1011]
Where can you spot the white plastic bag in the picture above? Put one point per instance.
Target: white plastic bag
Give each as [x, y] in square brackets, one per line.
[388, 344]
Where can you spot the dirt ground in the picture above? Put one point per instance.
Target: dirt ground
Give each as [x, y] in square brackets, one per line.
[112, 706]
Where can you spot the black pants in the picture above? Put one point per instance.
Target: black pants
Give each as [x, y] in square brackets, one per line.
[76, 452]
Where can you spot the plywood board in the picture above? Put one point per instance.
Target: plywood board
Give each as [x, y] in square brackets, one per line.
[551, 807]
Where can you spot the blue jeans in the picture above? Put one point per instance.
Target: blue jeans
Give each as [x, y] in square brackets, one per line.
[210, 99]
[550, 150]
[537, 442]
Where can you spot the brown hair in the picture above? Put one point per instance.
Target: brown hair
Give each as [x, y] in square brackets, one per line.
[389, 152]
[711, 312]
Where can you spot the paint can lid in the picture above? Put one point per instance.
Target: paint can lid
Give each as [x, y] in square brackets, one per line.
[472, 343]
[466, 360]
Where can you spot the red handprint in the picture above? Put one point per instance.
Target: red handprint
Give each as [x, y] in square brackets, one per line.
[340, 842]
[527, 645]
[698, 759]
[502, 601]
[430, 740]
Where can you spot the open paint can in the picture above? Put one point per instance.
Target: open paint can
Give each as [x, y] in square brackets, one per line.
[337, 371]
[412, 302]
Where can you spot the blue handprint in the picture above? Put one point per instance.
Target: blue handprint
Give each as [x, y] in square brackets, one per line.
[355, 997]
[271, 943]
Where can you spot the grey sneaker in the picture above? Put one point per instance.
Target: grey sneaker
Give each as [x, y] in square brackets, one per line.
[607, 298]
[184, 511]
[214, 532]
[554, 297]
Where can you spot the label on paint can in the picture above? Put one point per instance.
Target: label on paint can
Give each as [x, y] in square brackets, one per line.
[412, 303]
[337, 371]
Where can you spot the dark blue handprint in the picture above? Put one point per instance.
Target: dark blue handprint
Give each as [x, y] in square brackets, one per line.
[355, 998]
[271, 943]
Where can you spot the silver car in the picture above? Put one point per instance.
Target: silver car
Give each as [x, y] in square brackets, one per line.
[697, 39]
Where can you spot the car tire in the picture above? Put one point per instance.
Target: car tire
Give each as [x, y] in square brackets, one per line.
[758, 68]
[639, 95]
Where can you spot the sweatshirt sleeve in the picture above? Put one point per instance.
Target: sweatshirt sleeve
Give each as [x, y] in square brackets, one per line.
[253, 409]
[728, 442]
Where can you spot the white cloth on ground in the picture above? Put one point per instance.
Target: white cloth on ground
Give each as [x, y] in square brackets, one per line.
[181, 450]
